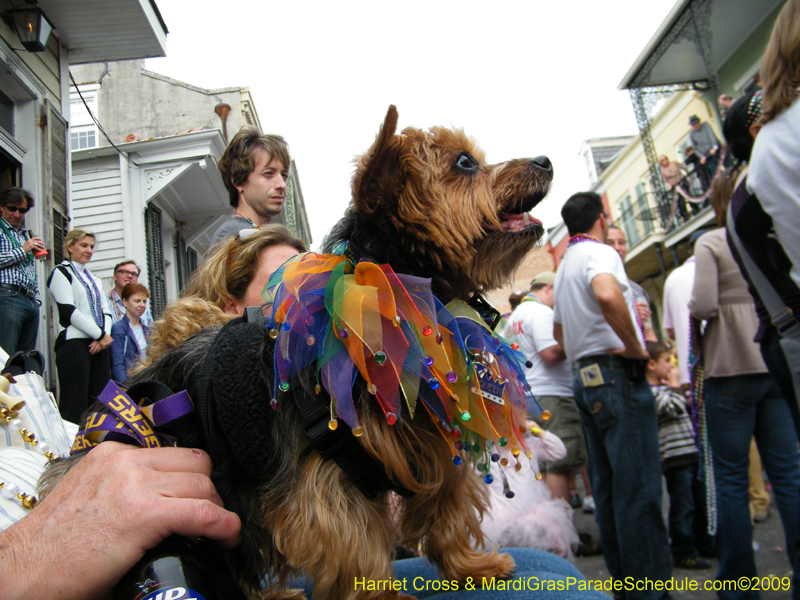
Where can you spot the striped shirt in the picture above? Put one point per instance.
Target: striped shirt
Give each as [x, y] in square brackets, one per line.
[17, 267]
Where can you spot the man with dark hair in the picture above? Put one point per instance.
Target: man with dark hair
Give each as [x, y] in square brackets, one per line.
[19, 290]
[255, 169]
[596, 323]
[124, 273]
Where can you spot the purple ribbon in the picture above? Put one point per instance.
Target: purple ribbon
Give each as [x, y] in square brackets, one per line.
[130, 422]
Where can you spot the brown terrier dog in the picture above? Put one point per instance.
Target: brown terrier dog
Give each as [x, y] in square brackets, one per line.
[314, 498]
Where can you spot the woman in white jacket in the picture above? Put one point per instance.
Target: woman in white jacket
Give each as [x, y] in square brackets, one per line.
[82, 355]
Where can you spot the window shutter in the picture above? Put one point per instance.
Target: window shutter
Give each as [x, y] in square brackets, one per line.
[183, 261]
[155, 260]
[58, 154]
[192, 261]
[60, 229]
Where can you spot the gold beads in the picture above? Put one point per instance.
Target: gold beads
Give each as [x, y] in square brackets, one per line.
[27, 436]
[546, 415]
[28, 502]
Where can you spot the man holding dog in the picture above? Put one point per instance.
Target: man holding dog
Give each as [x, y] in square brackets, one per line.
[597, 324]
[255, 169]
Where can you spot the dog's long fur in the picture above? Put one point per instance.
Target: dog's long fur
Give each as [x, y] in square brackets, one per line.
[427, 204]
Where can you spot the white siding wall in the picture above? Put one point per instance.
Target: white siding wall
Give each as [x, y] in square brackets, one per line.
[97, 206]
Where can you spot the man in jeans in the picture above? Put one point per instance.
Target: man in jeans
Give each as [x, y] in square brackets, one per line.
[596, 323]
[19, 290]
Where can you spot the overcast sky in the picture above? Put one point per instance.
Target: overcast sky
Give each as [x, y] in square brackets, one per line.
[523, 77]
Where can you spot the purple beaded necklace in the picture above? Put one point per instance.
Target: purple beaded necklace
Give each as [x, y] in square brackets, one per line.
[92, 293]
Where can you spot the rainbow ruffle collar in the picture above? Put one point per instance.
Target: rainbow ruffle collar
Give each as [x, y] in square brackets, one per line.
[349, 318]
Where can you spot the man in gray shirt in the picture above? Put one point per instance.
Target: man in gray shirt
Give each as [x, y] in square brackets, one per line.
[255, 169]
[705, 142]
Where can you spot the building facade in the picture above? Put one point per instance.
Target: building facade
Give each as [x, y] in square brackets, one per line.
[35, 110]
[156, 195]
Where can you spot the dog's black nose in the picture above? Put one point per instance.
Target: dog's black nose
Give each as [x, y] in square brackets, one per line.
[543, 163]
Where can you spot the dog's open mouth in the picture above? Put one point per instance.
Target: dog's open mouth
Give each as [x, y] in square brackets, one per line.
[517, 222]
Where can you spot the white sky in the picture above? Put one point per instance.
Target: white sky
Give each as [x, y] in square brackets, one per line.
[524, 77]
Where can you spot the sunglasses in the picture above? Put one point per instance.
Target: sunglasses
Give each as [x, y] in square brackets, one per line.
[13, 209]
[240, 235]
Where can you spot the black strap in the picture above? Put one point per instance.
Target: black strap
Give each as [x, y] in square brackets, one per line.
[187, 434]
[339, 445]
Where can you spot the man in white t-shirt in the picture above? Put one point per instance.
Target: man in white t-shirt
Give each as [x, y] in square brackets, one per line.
[596, 324]
[550, 378]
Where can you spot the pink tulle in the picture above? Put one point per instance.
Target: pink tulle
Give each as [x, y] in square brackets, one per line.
[532, 518]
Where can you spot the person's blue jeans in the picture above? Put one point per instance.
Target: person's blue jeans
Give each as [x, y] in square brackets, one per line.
[738, 408]
[681, 510]
[19, 316]
[621, 428]
[775, 359]
[534, 569]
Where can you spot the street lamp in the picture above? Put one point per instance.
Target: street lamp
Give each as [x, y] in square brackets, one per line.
[33, 27]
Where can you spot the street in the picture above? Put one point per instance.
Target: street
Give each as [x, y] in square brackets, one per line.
[771, 559]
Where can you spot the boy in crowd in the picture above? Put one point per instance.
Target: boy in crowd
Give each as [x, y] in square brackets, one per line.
[678, 457]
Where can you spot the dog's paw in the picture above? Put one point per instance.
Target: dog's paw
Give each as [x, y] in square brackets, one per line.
[493, 564]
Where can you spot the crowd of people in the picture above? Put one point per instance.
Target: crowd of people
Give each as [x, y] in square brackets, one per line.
[627, 405]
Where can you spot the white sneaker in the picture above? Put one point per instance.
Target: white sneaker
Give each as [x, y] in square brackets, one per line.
[588, 504]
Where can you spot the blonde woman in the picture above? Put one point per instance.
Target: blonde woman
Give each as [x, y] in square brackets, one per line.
[82, 355]
[228, 280]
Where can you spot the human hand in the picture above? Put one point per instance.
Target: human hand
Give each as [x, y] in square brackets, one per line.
[702, 160]
[713, 152]
[34, 243]
[112, 506]
[674, 380]
[637, 353]
[101, 344]
[644, 311]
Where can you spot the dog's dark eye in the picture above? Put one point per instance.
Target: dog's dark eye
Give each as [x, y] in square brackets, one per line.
[465, 162]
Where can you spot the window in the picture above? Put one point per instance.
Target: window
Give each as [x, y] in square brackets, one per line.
[644, 212]
[82, 136]
[6, 113]
[628, 218]
[82, 130]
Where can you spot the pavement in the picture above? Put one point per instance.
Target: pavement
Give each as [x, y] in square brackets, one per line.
[770, 557]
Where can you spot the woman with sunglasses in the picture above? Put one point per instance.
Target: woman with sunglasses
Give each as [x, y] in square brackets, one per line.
[82, 355]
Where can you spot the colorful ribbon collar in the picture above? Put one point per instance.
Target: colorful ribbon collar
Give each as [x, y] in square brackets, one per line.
[348, 317]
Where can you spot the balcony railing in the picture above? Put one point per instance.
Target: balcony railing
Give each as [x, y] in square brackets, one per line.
[651, 214]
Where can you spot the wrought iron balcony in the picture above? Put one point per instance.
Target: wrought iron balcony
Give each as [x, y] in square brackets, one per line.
[653, 213]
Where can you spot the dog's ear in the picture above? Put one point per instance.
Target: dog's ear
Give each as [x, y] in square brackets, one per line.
[379, 176]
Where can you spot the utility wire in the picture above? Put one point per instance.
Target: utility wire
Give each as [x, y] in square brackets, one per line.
[99, 126]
